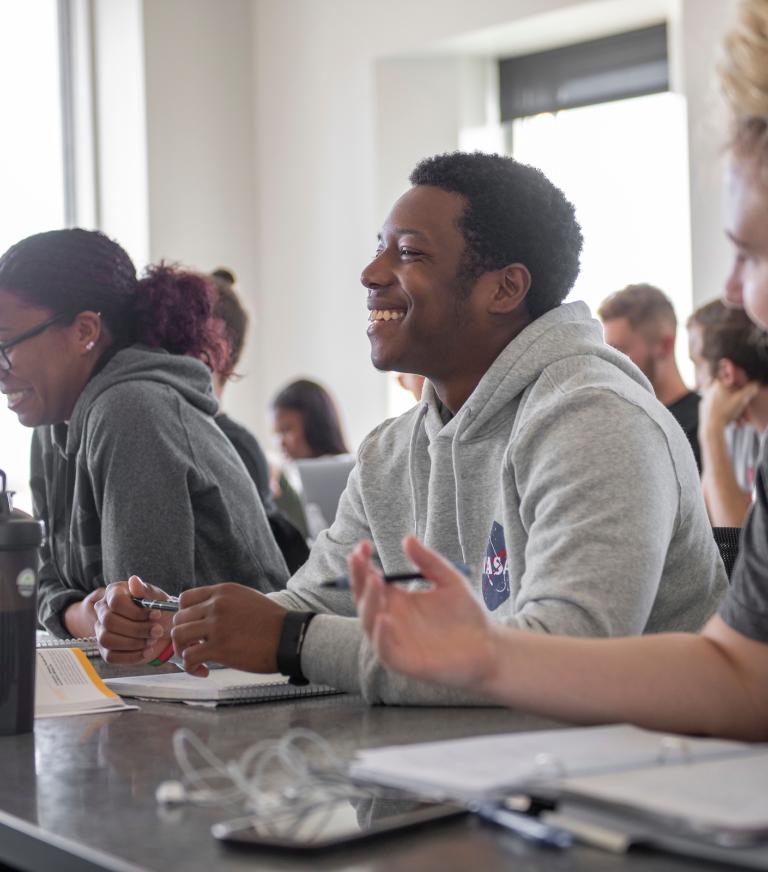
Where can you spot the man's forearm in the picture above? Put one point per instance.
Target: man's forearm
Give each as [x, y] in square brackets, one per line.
[53, 598]
[727, 503]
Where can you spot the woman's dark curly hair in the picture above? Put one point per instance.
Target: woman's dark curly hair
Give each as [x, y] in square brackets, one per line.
[74, 270]
[513, 214]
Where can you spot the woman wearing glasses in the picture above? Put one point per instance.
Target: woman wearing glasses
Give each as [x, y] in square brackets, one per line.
[129, 470]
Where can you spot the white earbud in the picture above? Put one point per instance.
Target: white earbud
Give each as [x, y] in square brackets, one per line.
[170, 793]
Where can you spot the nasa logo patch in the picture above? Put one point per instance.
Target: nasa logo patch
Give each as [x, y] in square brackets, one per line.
[495, 573]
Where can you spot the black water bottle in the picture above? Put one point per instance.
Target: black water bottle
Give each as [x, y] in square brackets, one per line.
[20, 541]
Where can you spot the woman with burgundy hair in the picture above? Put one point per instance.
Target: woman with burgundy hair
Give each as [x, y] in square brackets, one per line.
[129, 470]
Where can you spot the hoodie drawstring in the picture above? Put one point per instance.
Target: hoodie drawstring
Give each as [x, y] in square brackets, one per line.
[416, 432]
[464, 418]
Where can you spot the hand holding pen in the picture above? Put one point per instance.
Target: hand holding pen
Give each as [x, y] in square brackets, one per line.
[169, 605]
[131, 635]
[407, 627]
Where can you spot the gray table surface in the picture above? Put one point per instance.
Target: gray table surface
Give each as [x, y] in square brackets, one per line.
[78, 794]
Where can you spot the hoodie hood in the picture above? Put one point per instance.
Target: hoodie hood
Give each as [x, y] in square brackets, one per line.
[567, 332]
[564, 332]
[190, 377]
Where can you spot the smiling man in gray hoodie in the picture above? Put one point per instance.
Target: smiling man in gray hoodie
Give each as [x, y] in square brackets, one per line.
[538, 456]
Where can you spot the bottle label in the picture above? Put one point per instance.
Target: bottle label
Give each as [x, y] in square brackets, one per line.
[25, 582]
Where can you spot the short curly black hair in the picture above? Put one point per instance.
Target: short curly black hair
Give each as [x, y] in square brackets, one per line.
[514, 214]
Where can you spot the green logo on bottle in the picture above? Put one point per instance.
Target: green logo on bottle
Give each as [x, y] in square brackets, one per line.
[25, 583]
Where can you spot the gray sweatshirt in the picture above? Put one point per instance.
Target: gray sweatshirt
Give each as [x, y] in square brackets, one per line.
[143, 481]
[563, 483]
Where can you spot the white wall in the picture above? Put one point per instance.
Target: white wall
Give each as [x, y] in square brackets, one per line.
[421, 105]
[697, 28]
[202, 185]
[175, 168]
[119, 107]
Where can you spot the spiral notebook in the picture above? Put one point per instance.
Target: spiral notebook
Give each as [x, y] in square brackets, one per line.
[222, 686]
[87, 644]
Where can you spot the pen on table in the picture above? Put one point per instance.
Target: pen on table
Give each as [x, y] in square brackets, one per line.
[170, 605]
[343, 582]
[525, 826]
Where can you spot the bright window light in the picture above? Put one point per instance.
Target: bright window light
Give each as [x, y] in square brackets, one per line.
[31, 167]
[624, 165]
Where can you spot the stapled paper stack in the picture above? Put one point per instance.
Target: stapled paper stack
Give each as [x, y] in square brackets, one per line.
[615, 787]
[486, 767]
[67, 684]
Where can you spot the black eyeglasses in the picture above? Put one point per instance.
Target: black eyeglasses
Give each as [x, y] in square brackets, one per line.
[5, 363]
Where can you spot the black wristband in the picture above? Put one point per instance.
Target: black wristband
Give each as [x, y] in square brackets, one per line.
[291, 642]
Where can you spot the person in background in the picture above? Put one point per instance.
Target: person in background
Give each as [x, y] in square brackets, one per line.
[731, 358]
[640, 321]
[129, 471]
[715, 683]
[232, 320]
[307, 425]
[412, 383]
[306, 422]
[228, 311]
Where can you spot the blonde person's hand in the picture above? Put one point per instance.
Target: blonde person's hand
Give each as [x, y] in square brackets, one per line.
[127, 633]
[721, 405]
[440, 634]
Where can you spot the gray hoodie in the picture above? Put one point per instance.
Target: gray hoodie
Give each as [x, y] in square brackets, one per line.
[562, 482]
[143, 481]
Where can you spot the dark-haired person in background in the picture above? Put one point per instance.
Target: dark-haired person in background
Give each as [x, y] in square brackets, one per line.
[306, 421]
[538, 456]
[229, 312]
[307, 426]
[640, 321]
[412, 383]
[730, 355]
[129, 471]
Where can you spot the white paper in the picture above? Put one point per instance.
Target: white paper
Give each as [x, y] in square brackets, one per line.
[481, 767]
[714, 794]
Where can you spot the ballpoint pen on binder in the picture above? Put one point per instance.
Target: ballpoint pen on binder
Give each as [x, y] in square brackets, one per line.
[524, 825]
[343, 582]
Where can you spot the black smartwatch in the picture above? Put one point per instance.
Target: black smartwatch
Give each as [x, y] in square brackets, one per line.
[291, 642]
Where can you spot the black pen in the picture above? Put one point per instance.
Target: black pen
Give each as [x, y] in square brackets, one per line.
[343, 582]
[169, 605]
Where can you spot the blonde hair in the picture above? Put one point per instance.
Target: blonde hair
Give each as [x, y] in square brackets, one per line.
[744, 77]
